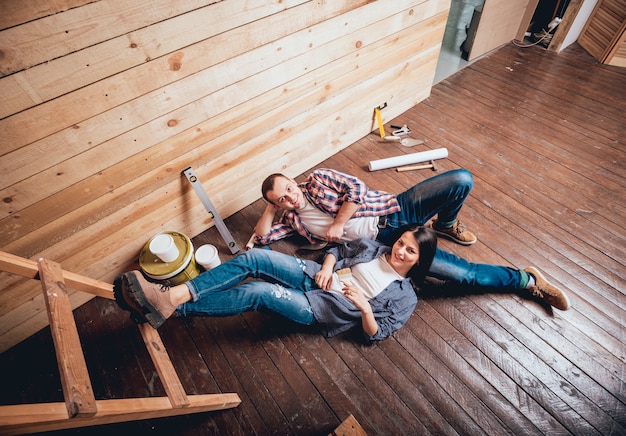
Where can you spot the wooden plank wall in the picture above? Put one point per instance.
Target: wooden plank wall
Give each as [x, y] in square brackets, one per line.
[105, 103]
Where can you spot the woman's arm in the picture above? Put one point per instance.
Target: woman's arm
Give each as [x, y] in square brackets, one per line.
[324, 276]
[354, 294]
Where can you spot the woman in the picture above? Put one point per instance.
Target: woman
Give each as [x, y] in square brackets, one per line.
[379, 297]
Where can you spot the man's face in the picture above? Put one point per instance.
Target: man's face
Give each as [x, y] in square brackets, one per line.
[286, 194]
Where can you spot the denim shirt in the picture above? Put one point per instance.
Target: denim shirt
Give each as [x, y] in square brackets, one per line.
[336, 314]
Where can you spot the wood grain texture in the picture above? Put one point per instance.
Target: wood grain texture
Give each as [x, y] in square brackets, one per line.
[104, 105]
[544, 142]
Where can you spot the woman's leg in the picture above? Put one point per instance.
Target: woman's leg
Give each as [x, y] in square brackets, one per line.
[255, 295]
[267, 265]
[152, 302]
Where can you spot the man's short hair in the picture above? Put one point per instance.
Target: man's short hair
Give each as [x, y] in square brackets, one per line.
[268, 185]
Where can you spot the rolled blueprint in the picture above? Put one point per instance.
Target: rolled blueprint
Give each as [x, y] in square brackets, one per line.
[408, 159]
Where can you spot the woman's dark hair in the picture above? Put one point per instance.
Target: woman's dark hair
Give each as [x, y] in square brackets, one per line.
[268, 184]
[427, 242]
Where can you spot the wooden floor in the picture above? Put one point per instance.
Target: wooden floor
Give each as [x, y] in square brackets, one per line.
[543, 135]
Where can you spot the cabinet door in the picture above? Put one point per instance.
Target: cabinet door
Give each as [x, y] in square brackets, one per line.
[603, 33]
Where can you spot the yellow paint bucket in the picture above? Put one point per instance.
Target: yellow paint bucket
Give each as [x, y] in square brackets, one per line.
[176, 272]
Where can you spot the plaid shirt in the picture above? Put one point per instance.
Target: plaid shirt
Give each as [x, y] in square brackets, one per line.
[327, 190]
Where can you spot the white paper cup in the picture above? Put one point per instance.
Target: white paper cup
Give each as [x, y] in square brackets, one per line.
[207, 256]
[164, 247]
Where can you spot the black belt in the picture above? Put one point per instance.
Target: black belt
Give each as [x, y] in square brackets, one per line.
[382, 221]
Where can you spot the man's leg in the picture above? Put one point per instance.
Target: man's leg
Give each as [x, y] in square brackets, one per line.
[451, 268]
[442, 195]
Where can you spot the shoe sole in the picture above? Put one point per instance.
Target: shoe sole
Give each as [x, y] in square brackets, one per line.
[135, 315]
[453, 239]
[539, 275]
[151, 314]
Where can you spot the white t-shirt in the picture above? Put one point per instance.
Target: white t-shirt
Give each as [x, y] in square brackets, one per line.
[370, 277]
[318, 222]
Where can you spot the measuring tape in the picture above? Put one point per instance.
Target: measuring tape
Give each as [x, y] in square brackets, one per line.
[208, 205]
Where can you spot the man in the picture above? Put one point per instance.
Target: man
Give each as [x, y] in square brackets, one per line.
[331, 207]
[335, 207]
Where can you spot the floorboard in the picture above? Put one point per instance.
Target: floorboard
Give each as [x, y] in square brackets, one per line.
[543, 135]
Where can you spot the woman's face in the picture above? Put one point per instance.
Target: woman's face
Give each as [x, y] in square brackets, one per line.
[405, 253]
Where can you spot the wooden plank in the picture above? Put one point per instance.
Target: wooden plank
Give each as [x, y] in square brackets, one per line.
[167, 373]
[57, 35]
[498, 25]
[92, 144]
[117, 79]
[29, 268]
[349, 427]
[33, 418]
[14, 13]
[79, 397]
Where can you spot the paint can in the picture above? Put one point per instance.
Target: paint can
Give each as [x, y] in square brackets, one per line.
[207, 257]
[175, 272]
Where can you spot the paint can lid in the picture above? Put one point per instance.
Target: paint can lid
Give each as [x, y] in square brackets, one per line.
[156, 269]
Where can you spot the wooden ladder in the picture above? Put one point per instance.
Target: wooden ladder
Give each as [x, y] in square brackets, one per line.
[80, 408]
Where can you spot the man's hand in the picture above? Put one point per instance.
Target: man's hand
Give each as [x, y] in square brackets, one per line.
[335, 232]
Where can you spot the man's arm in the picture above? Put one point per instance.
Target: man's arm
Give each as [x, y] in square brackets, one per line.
[264, 224]
[346, 211]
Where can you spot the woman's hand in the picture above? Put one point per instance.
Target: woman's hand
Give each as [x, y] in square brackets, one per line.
[324, 278]
[354, 294]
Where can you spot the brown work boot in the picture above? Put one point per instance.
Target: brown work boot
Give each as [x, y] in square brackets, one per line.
[546, 291]
[457, 233]
[145, 300]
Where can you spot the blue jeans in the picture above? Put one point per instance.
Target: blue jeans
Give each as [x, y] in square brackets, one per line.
[450, 267]
[281, 287]
[444, 194]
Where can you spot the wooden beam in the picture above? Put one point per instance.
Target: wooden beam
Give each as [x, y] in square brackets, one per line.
[31, 418]
[79, 396]
[165, 369]
[28, 268]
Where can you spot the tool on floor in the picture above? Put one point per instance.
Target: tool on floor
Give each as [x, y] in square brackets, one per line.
[208, 205]
[401, 130]
[407, 142]
[379, 119]
[430, 165]
[408, 159]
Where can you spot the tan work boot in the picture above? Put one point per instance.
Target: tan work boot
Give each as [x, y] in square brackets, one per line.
[145, 300]
[457, 233]
[547, 291]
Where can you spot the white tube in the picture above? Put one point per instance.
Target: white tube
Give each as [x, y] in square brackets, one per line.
[408, 159]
